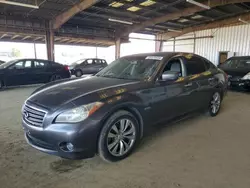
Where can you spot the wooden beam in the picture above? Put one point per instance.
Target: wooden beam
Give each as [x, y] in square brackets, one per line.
[65, 16]
[64, 40]
[37, 38]
[4, 35]
[15, 36]
[57, 39]
[24, 38]
[184, 12]
[216, 24]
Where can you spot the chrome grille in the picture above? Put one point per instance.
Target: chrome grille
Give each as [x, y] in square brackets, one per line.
[33, 116]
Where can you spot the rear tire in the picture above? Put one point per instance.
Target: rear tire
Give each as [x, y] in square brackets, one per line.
[119, 136]
[55, 77]
[214, 104]
[78, 73]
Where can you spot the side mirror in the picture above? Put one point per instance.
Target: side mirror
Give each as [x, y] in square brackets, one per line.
[170, 76]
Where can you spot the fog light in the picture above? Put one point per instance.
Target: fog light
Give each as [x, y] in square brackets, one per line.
[70, 146]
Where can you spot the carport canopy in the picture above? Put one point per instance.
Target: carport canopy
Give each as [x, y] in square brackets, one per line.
[106, 23]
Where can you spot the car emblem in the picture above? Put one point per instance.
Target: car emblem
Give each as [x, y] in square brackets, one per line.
[26, 114]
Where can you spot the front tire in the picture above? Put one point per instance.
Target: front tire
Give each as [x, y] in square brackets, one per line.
[214, 104]
[119, 136]
[78, 73]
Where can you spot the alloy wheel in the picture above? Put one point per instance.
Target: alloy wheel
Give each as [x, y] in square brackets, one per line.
[215, 103]
[78, 74]
[121, 137]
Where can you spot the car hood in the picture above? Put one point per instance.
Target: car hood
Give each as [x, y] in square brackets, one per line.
[55, 95]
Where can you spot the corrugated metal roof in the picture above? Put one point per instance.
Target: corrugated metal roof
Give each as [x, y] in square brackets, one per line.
[94, 21]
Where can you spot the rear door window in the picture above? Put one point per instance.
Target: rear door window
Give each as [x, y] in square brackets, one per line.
[28, 64]
[40, 64]
[89, 61]
[195, 65]
[208, 64]
[97, 61]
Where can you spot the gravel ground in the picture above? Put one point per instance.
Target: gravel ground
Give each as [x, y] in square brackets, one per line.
[200, 152]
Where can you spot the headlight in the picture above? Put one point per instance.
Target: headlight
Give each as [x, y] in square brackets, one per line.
[246, 77]
[78, 114]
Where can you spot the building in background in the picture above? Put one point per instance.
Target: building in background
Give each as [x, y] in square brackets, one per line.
[214, 44]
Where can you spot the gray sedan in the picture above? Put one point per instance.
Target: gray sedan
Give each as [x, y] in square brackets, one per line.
[87, 66]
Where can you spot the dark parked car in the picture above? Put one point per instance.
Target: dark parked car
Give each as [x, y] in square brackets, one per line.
[31, 71]
[238, 70]
[109, 112]
[87, 66]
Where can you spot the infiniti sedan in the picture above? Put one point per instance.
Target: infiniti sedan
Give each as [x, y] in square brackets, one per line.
[107, 114]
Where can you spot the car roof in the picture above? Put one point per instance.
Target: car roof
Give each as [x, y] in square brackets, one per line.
[93, 58]
[240, 57]
[24, 59]
[162, 54]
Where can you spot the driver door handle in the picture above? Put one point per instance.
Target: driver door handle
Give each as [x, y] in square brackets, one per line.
[188, 85]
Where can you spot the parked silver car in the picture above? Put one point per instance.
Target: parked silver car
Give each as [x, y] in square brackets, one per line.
[87, 66]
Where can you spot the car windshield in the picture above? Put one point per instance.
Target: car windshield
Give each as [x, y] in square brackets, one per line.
[4, 65]
[237, 63]
[131, 68]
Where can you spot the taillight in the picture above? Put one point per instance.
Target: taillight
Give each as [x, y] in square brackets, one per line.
[66, 68]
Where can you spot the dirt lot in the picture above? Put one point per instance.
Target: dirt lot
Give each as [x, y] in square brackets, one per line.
[196, 153]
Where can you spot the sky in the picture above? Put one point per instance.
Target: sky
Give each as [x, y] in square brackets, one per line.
[67, 54]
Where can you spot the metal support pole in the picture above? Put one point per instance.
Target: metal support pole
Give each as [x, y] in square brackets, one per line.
[117, 48]
[35, 50]
[158, 44]
[50, 41]
[174, 46]
[96, 54]
[194, 42]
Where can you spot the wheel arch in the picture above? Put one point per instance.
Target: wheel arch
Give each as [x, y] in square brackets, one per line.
[130, 108]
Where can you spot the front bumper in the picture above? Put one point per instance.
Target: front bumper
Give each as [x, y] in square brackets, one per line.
[53, 139]
[239, 83]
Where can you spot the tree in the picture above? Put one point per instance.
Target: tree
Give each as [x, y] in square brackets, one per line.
[15, 52]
